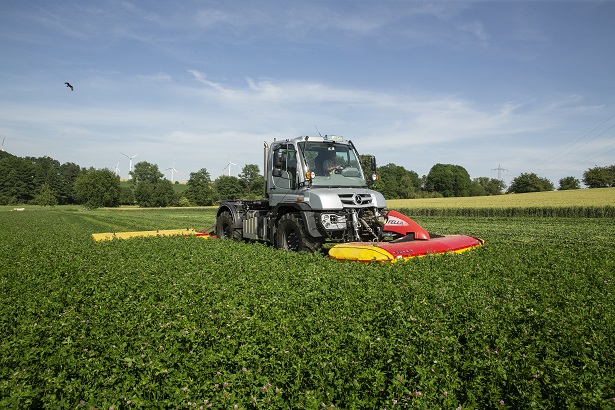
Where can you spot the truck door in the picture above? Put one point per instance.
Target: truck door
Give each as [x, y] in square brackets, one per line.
[287, 178]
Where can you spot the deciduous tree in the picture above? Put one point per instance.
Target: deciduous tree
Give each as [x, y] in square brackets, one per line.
[97, 188]
[46, 196]
[569, 183]
[449, 180]
[228, 187]
[127, 196]
[396, 182]
[200, 190]
[529, 182]
[69, 172]
[252, 181]
[599, 177]
[16, 179]
[146, 172]
[486, 186]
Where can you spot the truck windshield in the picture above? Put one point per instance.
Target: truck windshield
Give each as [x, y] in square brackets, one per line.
[334, 165]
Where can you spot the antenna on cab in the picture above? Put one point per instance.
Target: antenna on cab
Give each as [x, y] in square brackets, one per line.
[317, 130]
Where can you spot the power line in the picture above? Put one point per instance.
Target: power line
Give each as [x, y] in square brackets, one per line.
[561, 154]
[589, 156]
[499, 169]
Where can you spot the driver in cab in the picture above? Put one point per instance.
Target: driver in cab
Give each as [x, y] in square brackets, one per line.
[329, 164]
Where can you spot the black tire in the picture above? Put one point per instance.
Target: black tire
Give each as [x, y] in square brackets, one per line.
[291, 236]
[224, 227]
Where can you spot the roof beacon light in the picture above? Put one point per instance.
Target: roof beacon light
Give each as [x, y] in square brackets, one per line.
[333, 138]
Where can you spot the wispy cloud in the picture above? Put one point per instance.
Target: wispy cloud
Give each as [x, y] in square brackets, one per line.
[477, 29]
[201, 78]
[157, 77]
[210, 17]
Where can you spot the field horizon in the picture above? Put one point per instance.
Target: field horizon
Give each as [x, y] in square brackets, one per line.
[586, 197]
[567, 198]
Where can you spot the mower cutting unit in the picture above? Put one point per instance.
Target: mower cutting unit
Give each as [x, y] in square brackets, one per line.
[316, 196]
[107, 236]
[407, 239]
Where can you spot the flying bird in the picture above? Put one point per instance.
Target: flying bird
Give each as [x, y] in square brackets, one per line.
[69, 86]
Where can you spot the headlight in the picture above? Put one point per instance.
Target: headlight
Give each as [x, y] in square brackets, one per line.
[333, 221]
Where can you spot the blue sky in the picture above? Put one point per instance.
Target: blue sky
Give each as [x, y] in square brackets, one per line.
[526, 85]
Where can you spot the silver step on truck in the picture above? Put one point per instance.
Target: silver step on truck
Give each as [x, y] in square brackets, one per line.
[315, 192]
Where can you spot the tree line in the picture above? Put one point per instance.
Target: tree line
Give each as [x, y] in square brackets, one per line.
[44, 181]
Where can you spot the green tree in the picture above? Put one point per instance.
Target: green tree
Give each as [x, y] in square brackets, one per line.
[97, 188]
[151, 189]
[17, 184]
[144, 194]
[127, 196]
[486, 186]
[200, 189]
[227, 187]
[599, 177]
[46, 196]
[46, 171]
[184, 202]
[146, 172]
[68, 175]
[159, 194]
[252, 181]
[396, 182]
[569, 183]
[449, 180]
[529, 182]
[477, 189]
[164, 194]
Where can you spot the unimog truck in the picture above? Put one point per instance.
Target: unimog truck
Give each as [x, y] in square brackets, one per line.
[315, 192]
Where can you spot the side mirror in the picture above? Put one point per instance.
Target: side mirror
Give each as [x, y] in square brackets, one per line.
[372, 163]
[278, 159]
[278, 164]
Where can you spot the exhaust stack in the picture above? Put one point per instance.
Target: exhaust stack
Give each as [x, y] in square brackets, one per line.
[266, 169]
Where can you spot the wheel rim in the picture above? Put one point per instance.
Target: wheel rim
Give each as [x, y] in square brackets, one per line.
[291, 238]
[225, 229]
[227, 232]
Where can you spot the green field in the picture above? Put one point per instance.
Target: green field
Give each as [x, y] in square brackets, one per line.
[526, 321]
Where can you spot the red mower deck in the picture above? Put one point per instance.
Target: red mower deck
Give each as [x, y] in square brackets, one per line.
[400, 250]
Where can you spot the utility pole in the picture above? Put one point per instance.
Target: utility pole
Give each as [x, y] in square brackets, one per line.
[499, 169]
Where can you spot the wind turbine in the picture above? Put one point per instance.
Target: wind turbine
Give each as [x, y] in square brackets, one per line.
[130, 158]
[172, 171]
[117, 169]
[2, 148]
[229, 165]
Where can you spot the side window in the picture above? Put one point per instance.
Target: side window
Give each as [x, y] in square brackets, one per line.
[291, 164]
[288, 177]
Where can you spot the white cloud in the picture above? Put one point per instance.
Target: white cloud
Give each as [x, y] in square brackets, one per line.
[157, 77]
[208, 18]
[201, 78]
[477, 29]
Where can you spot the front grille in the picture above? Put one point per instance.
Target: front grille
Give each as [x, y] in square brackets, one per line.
[356, 200]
